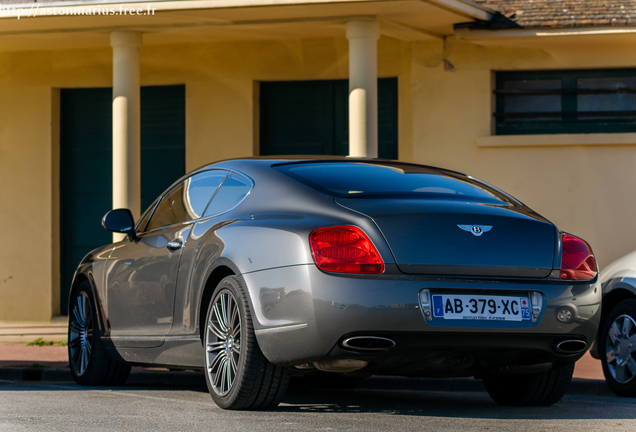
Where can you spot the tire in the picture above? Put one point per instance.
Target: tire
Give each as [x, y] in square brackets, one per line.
[539, 389]
[617, 348]
[332, 381]
[90, 364]
[238, 375]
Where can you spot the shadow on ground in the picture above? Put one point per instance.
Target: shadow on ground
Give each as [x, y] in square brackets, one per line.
[374, 397]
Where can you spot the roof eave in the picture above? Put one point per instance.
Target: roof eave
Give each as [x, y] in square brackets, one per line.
[485, 34]
[466, 8]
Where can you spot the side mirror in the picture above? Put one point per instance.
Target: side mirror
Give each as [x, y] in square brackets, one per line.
[120, 221]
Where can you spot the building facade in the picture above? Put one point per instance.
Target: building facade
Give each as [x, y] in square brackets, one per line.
[543, 108]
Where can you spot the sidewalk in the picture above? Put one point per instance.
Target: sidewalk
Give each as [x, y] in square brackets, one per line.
[50, 363]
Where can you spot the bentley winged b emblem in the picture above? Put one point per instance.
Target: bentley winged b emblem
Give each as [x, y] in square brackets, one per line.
[476, 230]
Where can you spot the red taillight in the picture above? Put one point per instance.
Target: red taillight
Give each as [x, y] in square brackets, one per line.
[577, 259]
[344, 249]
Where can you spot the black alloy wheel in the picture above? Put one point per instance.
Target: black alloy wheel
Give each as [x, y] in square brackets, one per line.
[88, 361]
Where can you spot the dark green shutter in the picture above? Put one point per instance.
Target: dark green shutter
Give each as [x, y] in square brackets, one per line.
[162, 139]
[312, 118]
[86, 163]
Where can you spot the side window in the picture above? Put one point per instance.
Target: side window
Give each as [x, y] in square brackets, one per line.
[201, 188]
[187, 200]
[141, 225]
[232, 191]
[171, 210]
[566, 101]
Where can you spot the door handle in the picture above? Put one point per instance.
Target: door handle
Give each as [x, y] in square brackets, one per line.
[174, 245]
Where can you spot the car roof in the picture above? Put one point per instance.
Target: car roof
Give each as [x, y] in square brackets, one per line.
[272, 161]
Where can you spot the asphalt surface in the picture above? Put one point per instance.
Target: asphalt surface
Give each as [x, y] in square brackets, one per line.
[381, 405]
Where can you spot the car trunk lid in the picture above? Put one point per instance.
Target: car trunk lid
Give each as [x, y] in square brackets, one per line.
[459, 237]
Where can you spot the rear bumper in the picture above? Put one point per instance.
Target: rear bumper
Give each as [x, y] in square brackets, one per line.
[435, 355]
[302, 315]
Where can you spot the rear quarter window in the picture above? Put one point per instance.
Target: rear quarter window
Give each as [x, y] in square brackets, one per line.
[233, 190]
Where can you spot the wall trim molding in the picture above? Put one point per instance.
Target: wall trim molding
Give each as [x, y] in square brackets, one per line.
[556, 140]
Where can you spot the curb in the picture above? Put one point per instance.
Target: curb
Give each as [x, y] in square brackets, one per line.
[139, 378]
[578, 386]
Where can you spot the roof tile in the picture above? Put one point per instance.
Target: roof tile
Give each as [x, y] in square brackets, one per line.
[561, 13]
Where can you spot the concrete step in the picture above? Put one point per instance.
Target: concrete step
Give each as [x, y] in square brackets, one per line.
[24, 332]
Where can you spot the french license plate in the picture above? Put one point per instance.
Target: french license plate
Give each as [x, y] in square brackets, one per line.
[481, 307]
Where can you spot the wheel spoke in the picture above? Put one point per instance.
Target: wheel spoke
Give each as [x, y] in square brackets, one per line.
[75, 327]
[85, 310]
[75, 342]
[80, 309]
[89, 319]
[75, 356]
[231, 306]
[236, 332]
[224, 303]
[611, 356]
[220, 376]
[620, 373]
[215, 380]
[614, 332]
[632, 340]
[228, 375]
[234, 315]
[77, 316]
[216, 331]
[219, 318]
[214, 366]
[215, 346]
[627, 325]
[236, 348]
[83, 359]
[234, 365]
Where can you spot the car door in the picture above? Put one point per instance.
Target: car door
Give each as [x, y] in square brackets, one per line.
[141, 275]
[202, 249]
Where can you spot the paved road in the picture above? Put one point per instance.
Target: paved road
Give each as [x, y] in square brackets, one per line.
[42, 406]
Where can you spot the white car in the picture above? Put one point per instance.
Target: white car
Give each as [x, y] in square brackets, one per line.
[616, 341]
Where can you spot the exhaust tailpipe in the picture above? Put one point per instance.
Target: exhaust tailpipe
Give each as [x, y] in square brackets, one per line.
[368, 343]
[570, 347]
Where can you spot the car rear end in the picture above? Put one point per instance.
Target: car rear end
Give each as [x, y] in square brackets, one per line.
[447, 276]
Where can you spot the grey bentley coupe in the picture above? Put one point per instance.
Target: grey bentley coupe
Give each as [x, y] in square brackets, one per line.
[337, 269]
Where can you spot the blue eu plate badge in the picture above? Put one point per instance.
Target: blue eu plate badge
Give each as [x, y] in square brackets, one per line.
[525, 309]
[438, 306]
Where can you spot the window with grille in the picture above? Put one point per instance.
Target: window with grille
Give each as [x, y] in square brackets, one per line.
[552, 102]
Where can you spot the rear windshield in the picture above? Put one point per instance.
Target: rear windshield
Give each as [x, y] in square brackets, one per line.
[352, 179]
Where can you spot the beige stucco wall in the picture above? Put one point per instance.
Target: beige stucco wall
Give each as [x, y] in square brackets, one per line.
[220, 108]
[585, 189]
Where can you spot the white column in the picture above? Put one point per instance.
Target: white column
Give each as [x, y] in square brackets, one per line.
[363, 88]
[126, 123]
